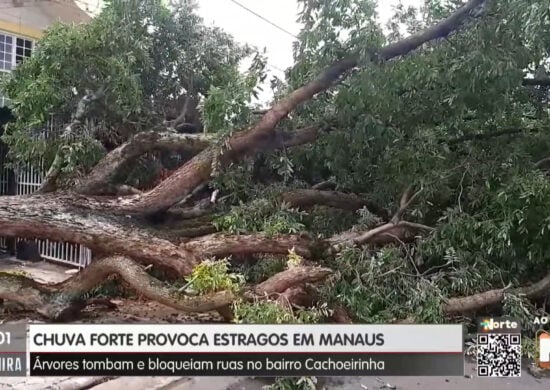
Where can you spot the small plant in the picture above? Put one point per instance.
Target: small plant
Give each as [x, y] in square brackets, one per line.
[213, 275]
[529, 348]
[294, 259]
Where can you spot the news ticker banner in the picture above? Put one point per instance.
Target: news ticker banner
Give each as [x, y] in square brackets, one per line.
[231, 350]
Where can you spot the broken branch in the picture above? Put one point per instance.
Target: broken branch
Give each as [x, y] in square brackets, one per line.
[493, 297]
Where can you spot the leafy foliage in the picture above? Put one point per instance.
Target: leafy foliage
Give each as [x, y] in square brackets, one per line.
[262, 268]
[213, 275]
[159, 57]
[261, 215]
[381, 287]
[270, 312]
[303, 383]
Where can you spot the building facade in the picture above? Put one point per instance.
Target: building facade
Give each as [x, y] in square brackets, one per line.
[22, 24]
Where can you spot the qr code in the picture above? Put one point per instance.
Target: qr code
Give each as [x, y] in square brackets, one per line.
[499, 355]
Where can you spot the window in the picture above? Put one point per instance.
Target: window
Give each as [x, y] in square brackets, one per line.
[22, 49]
[6, 52]
[13, 50]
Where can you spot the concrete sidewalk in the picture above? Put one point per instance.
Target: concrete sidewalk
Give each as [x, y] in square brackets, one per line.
[41, 271]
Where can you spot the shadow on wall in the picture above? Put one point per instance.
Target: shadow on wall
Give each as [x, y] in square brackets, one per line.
[5, 117]
[7, 176]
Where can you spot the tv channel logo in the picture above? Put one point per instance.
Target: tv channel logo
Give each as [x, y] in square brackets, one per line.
[498, 325]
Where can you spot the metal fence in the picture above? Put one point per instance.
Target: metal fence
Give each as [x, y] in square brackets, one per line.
[27, 180]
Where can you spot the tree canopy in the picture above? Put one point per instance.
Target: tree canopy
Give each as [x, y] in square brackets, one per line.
[408, 160]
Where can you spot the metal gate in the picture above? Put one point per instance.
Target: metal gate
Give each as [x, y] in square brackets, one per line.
[28, 180]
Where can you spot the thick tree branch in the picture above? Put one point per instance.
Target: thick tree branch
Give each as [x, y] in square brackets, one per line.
[44, 298]
[295, 276]
[382, 234]
[49, 184]
[138, 279]
[102, 178]
[34, 296]
[309, 197]
[492, 297]
[49, 217]
[221, 245]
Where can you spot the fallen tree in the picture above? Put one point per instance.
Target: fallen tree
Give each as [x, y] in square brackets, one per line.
[120, 228]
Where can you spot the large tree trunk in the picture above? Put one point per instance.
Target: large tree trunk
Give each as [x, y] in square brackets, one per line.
[49, 217]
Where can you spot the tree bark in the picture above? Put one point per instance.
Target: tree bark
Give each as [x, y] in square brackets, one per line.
[492, 297]
[296, 296]
[295, 276]
[310, 197]
[46, 217]
[221, 245]
[101, 180]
